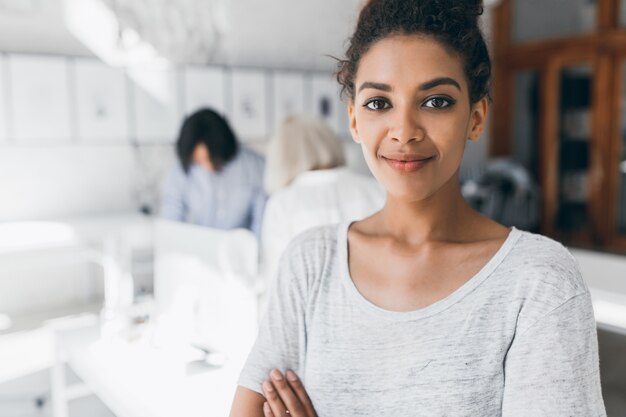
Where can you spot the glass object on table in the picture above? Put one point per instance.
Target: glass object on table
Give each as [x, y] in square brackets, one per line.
[574, 148]
[535, 20]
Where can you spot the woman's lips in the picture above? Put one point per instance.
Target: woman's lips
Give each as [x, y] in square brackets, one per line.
[407, 164]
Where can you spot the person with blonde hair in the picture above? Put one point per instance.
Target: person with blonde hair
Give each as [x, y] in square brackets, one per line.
[309, 185]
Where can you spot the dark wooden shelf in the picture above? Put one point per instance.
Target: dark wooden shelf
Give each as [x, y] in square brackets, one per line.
[559, 90]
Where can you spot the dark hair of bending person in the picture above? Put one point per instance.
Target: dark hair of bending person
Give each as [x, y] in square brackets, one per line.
[207, 139]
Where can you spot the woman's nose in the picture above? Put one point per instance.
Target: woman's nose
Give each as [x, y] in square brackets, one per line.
[406, 126]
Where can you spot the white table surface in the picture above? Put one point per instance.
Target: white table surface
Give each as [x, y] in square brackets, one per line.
[26, 346]
[135, 379]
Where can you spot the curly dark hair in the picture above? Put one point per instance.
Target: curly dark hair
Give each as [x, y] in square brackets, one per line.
[454, 23]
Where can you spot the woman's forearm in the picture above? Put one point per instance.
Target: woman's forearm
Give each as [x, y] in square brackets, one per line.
[247, 403]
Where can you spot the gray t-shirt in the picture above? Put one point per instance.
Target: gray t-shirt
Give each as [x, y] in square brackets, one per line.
[517, 339]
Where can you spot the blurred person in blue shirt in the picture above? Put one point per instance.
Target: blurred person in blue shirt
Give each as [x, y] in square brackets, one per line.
[217, 182]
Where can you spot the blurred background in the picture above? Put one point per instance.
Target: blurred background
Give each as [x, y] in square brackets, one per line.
[108, 310]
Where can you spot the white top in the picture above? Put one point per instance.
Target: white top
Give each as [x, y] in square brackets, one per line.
[517, 339]
[315, 198]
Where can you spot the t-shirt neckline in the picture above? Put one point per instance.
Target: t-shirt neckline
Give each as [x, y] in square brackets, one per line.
[437, 306]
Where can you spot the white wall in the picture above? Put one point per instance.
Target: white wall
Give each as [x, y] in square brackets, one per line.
[43, 182]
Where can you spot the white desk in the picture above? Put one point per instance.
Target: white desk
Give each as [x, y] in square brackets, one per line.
[205, 293]
[135, 379]
[26, 346]
[105, 240]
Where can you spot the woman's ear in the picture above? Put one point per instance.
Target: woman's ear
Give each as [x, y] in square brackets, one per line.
[478, 119]
[353, 128]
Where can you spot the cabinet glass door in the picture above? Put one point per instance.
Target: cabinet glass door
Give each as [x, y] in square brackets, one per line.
[535, 20]
[526, 121]
[574, 142]
[621, 160]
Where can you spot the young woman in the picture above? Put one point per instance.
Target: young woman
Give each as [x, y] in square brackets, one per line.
[426, 308]
[216, 182]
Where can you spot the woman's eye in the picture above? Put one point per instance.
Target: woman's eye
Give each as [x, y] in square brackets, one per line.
[377, 104]
[438, 102]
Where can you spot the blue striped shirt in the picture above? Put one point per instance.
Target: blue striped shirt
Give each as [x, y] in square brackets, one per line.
[227, 199]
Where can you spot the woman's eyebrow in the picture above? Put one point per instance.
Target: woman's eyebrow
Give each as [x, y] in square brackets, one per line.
[423, 87]
[439, 81]
[376, 86]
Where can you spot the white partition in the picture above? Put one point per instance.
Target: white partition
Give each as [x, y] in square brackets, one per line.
[288, 95]
[157, 115]
[101, 102]
[40, 104]
[204, 87]
[4, 128]
[249, 113]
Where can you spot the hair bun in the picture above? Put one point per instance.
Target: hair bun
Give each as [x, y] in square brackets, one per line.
[477, 5]
[455, 15]
[470, 9]
[454, 23]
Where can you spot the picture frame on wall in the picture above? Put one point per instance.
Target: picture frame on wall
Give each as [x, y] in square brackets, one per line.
[249, 116]
[101, 102]
[325, 102]
[288, 88]
[156, 110]
[40, 92]
[4, 117]
[204, 87]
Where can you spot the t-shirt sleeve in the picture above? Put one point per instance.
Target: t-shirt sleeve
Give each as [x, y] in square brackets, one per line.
[552, 368]
[281, 339]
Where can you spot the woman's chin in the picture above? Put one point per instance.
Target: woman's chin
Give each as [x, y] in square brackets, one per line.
[409, 195]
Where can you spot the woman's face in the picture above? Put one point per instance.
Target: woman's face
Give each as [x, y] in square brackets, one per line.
[201, 157]
[412, 115]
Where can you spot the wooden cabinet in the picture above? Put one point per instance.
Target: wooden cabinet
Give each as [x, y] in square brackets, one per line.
[560, 109]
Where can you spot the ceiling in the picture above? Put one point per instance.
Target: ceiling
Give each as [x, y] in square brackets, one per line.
[294, 34]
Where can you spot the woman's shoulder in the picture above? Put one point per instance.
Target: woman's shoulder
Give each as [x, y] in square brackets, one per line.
[249, 156]
[175, 175]
[543, 270]
[541, 252]
[249, 164]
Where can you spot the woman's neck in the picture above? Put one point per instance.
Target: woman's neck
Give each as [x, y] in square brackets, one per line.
[444, 216]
